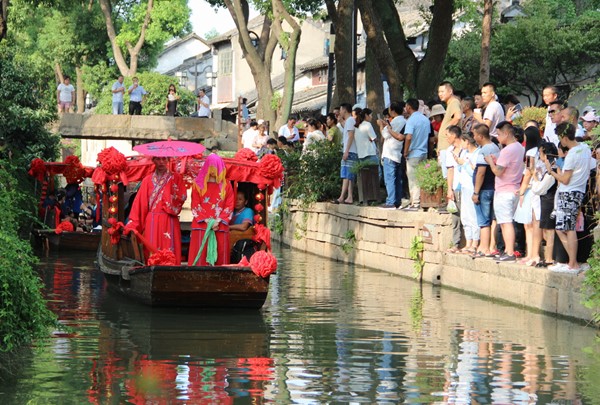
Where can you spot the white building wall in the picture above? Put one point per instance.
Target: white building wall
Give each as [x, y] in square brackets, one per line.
[175, 56]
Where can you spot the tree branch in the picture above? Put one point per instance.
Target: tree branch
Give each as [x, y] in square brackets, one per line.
[142, 38]
[106, 8]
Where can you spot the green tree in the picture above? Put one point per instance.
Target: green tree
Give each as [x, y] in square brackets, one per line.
[280, 27]
[551, 45]
[156, 85]
[137, 30]
[212, 33]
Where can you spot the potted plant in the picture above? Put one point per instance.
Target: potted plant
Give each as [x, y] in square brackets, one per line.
[432, 183]
[367, 181]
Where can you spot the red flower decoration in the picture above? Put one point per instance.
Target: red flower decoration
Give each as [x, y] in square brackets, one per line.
[258, 208]
[115, 230]
[38, 169]
[262, 234]
[112, 163]
[163, 257]
[270, 167]
[246, 154]
[263, 264]
[64, 226]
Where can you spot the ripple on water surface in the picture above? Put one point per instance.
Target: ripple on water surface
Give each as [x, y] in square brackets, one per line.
[329, 333]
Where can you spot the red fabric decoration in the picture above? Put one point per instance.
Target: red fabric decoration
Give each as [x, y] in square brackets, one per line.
[246, 154]
[38, 169]
[258, 208]
[113, 163]
[115, 230]
[163, 257]
[271, 168]
[263, 264]
[262, 234]
[64, 226]
[244, 262]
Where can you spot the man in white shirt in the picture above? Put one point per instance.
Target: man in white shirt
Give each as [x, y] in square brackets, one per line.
[555, 113]
[494, 113]
[290, 131]
[249, 135]
[393, 147]
[203, 105]
[550, 95]
[118, 90]
[572, 181]
[65, 95]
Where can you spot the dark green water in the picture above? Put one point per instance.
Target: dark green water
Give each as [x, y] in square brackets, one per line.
[329, 333]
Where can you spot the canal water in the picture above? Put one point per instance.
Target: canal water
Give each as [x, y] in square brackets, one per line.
[328, 333]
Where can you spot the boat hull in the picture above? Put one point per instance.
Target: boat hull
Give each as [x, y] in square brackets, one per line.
[85, 241]
[186, 286]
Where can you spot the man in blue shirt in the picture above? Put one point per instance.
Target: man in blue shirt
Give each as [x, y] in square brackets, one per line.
[137, 95]
[118, 90]
[416, 141]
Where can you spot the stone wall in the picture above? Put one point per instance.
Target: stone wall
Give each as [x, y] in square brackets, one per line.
[383, 239]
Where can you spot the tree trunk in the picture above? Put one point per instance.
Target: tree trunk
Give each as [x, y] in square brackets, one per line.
[486, 35]
[374, 85]
[380, 50]
[3, 19]
[133, 51]
[431, 67]
[291, 48]
[58, 73]
[80, 91]
[342, 18]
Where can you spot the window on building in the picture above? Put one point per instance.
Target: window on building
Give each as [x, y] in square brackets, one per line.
[225, 63]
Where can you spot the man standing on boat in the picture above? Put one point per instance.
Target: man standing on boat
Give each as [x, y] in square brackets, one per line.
[156, 208]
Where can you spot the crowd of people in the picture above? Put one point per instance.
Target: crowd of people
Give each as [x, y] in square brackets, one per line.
[512, 190]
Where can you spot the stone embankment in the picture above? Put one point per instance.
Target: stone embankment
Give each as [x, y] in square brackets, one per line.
[381, 239]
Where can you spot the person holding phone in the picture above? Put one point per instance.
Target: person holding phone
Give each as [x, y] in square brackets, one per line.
[513, 107]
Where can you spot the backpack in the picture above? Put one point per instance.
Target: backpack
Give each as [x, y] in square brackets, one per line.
[243, 247]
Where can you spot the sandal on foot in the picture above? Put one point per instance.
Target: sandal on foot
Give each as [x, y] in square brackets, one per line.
[478, 255]
[453, 249]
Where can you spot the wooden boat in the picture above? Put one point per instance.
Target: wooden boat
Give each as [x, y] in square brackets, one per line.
[73, 172]
[229, 286]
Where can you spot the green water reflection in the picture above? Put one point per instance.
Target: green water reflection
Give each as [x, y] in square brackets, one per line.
[329, 333]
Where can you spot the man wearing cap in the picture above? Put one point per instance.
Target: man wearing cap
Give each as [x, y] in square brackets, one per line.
[494, 113]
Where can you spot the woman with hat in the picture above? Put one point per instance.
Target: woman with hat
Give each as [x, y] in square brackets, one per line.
[212, 208]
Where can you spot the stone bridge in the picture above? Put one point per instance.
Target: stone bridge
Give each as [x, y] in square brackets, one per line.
[147, 128]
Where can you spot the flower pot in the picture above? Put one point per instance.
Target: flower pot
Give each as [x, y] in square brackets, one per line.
[432, 200]
[368, 184]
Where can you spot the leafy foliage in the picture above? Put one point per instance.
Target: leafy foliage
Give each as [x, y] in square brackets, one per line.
[532, 113]
[551, 44]
[429, 176]
[592, 283]
[157, 86]
[415, 252]
[23, 312]
[314, 175]
[23, 134]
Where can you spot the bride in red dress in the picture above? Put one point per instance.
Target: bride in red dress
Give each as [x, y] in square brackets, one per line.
[212, 198]
[156, 208]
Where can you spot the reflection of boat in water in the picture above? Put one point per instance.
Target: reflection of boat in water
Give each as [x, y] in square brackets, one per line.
[153, 355]
[160, 333]
[77, 240]
[122, 258]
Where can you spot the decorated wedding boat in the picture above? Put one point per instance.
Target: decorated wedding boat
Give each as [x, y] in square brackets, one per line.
[138, 270]
[57, 233]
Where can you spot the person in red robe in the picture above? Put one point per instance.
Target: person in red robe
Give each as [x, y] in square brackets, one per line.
[156, 208]
[212, 198]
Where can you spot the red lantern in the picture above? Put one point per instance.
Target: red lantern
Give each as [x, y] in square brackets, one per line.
[113, 198]
[259, 197]
[257, 218]
[112, 210]
[258, 207]
[114, 188]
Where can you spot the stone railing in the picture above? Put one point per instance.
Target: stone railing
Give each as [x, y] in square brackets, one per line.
[381, 239]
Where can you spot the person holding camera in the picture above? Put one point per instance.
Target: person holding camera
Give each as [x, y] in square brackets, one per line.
[513, 107]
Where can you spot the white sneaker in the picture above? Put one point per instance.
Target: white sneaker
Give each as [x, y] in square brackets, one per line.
[584, 267]
[559, 268]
